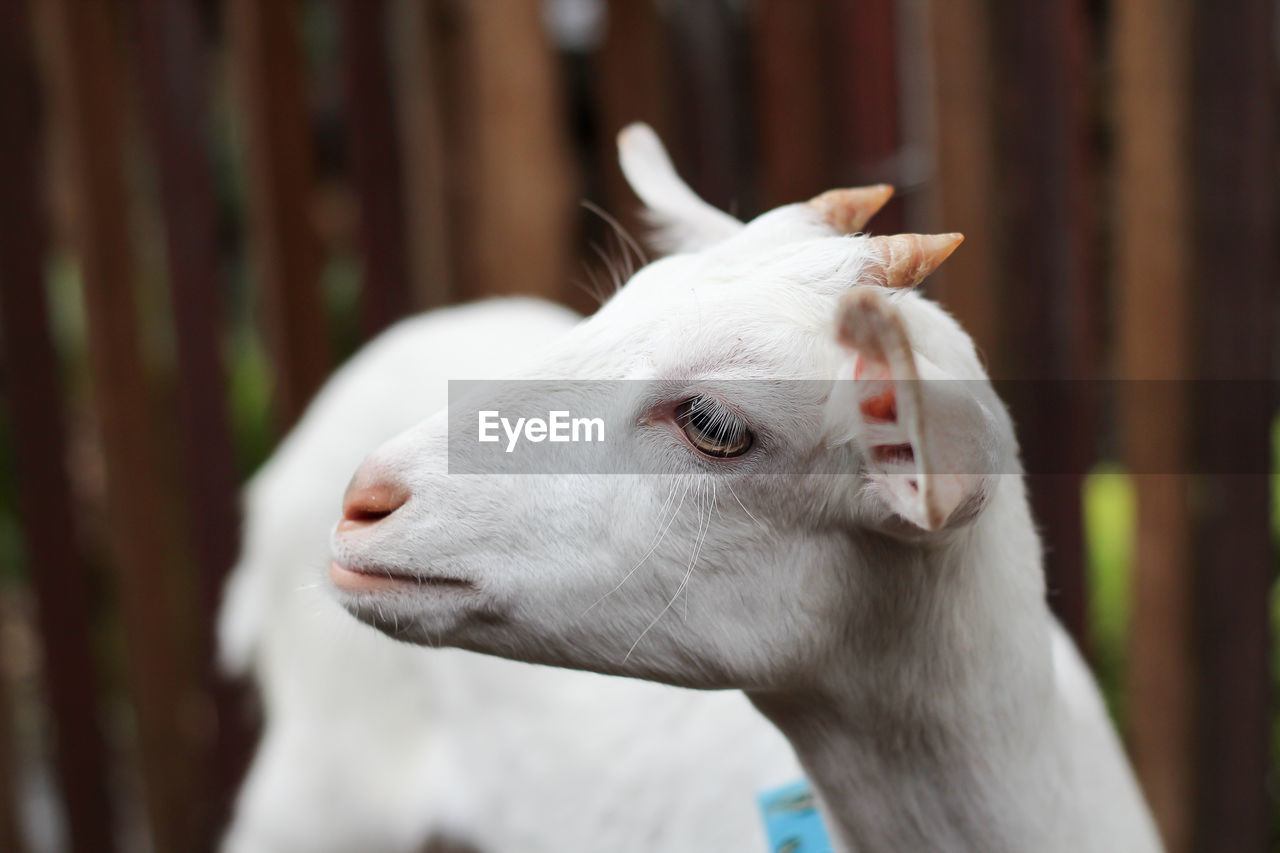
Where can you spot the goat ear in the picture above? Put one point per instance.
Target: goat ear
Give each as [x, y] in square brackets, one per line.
[926, 436]
[682, 221]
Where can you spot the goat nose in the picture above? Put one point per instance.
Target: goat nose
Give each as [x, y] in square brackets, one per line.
[367, 503]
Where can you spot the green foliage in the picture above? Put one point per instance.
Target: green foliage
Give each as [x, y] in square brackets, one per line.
[1110, 526]
[249, 377]
[341, 283]
[1110, 515]
[249, 387]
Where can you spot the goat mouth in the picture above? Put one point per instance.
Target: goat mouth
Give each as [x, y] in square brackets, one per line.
[363, 579]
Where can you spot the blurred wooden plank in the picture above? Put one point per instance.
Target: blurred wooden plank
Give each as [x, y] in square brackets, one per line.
[1152, 276]
[417, 47]
[11, 836]
[916, 164]
[1082, 307]
[1049, 275]
[866, 110]
[632, 84]
[267, 63]
[59, 575]
[791, 114]
[384, 294]
[173, 73]
[85, 80]
[964, 146]
[708, 61]
[1236, 288]
[518, 191]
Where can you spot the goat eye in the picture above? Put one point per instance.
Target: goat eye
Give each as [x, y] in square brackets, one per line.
[712, 429]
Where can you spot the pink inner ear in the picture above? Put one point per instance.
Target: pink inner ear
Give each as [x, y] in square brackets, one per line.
[880, 407]
[883, 405]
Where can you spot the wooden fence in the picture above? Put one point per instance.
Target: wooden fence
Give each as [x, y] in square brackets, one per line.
[181, 178]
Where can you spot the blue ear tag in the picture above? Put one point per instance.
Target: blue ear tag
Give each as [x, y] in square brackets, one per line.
[792, 821]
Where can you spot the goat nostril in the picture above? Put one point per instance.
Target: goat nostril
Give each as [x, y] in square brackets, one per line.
[370, 504]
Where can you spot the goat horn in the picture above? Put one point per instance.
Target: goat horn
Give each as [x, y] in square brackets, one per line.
[904, 260]
[848, 211]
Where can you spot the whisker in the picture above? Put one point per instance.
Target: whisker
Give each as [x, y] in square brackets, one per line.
[661, 535]
[593, 290]
[627, 240]
[610, 267]
[698, 542]
[741, 504]
[711, 506]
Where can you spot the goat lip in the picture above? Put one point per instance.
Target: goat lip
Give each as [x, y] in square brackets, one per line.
[363, 579]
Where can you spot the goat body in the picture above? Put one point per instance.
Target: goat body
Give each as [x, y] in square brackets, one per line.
[850, 544]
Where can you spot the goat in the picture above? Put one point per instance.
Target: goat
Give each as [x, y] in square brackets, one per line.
[377, 746]
[857, 553]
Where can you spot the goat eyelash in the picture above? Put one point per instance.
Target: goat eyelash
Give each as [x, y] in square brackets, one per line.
[712, 429]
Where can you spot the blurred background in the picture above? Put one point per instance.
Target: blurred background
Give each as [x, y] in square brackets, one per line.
[206, 204]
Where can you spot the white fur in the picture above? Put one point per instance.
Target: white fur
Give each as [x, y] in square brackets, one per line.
[372, 745]
[890, 619]
[681, 220]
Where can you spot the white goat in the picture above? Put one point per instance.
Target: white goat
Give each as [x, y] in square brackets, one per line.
[858, 557]
[376, 746]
